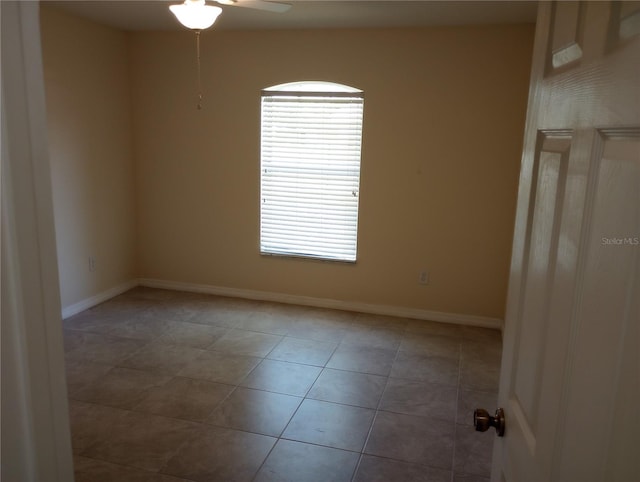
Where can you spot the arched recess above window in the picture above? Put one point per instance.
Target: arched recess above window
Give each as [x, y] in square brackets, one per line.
[311, 137]
[313, 86]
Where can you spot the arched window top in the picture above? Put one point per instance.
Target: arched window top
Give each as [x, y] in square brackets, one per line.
[310, 87]
[311, 138]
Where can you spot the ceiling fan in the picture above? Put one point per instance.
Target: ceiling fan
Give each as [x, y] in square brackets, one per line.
[197, 15]
[257, 4]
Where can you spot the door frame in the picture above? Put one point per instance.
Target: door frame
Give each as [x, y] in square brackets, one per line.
[36, 439]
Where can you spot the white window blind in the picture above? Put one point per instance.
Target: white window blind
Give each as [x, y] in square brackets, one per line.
[310, 170]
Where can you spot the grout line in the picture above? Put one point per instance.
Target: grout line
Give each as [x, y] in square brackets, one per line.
[280, 437]
[265, 459]
[455, 418]
[251, 313]
[375, 415]
[357, 467]
[145, 471]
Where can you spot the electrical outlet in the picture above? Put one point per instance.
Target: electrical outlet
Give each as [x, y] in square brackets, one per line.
[423, 279]
[92, 264]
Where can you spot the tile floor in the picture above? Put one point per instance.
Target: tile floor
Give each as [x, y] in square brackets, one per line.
[168, 386]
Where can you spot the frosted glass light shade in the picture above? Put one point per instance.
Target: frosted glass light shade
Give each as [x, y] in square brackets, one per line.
[195, 14]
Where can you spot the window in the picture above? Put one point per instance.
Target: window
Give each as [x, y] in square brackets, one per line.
[310, 170]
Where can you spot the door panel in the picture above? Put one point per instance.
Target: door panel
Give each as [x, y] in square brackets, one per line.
[566, 40]
[626, 22]
[597, 374]
[550, 170]
[570, 370]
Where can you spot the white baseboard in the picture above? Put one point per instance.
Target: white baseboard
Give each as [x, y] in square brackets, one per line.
[97, 299]
[399, 311]
[413, 313]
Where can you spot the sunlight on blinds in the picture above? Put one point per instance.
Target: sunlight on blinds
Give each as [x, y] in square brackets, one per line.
[310, 173]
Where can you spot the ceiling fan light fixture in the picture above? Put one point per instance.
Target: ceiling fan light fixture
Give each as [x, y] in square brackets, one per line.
[195, 14]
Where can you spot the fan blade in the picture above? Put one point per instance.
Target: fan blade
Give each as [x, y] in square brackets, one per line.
[258, 5]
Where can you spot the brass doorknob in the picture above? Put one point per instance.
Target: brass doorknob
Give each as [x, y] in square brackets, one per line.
[482, 421]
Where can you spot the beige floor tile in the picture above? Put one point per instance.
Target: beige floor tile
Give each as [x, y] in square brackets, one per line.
[73, 339]
[235, 305]
[300, 462]
[121, 387]
[216, 317]
[145, 293]
[266, 320]
[431, 345]
[219, 367]
[478, 334]
[97, 321]
[433, 369]
[424, 327]
[422, 431]
[282, 377]
[480, 365]
[328, 314]
[227, 312]
[91, 423]
[124, 304]
[488, 352]
[330, 424]
[473, 451]
[318, 329]
[363, 359]
[144, 326]
[91, 470]
[161, 358]
[283, 311]
[377, 469]
[308, 352]
[480, 376]
[192, 335]
[220, 454]
[101, 348]
[184, 398]
[419, 398]
[174, 310]
[143, 441]
[373, 336]
[248, 343]
[321, 324]
[82, 373]
[380, 321]
[350, 388]
[413, 439]
[255, 411]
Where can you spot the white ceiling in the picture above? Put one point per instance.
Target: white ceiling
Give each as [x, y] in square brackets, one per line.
[305, 14]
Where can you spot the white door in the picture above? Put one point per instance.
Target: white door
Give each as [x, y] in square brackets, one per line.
[571, 369]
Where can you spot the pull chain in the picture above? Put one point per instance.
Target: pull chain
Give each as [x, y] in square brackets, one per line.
[198, 64]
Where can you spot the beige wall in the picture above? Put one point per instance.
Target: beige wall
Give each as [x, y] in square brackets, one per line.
[444, 117]
[443, 127]
[90, 137]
